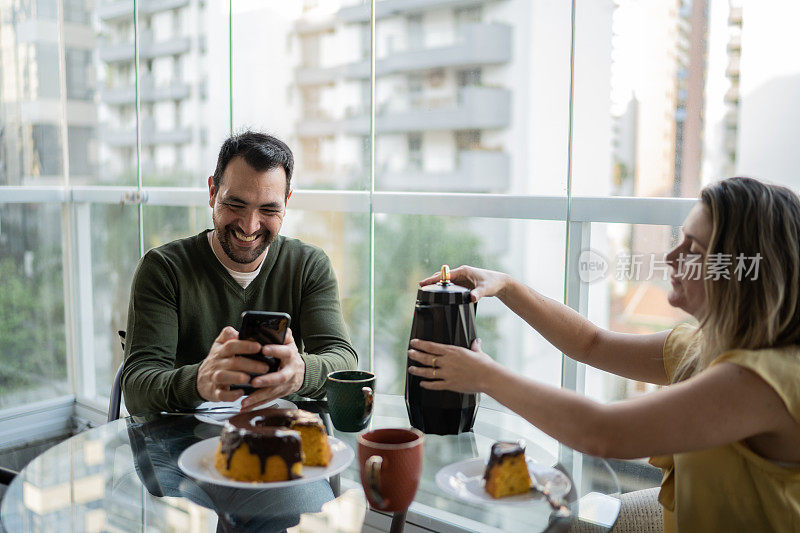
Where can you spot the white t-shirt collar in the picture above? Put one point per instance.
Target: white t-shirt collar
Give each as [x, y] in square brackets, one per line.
[242, 278]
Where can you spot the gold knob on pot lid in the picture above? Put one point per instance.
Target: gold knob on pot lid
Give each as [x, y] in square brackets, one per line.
[445, 274]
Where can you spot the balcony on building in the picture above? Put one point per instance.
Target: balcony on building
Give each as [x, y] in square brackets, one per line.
[477, 44]
[123, 9]
[314, 75]
[389, 8]
[732, 94]
[317, 123]
[148, 48]
[150, 135]
[735, 43]
[473, 108]
[735, 16]
[731, 119]
[733, 69]
[149, 91]
[307, 25]
[730, 142]
[48, 111]
[115, 52]
[476, 171]
[318, 128]
[331, 176]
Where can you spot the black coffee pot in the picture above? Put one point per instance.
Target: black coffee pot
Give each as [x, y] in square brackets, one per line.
[444, 313]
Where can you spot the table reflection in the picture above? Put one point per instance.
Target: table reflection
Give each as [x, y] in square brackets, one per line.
[157, 443]
[123, 476]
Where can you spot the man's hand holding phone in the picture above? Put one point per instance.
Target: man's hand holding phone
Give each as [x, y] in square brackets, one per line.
[288, 378]
[266, 328]
[261, 360]
[222, 368]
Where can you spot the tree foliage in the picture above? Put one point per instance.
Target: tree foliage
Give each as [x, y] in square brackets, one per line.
[408, 249]
[32, 341]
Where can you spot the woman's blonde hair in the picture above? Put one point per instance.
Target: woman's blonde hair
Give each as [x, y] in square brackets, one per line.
[760, 224]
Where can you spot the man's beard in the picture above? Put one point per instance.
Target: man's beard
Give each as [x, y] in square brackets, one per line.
[224, 237]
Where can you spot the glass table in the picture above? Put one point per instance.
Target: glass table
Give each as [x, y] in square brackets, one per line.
[123, 476]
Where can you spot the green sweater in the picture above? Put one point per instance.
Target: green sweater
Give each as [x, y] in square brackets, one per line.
[182, 297]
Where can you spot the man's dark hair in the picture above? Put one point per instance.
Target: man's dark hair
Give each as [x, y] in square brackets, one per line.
[261, 151]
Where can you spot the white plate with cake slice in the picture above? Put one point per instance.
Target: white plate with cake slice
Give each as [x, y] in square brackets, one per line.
[218, 412]
[464, 480]
[197, 461]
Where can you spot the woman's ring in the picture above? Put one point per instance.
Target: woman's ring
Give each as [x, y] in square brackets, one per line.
[433, 362]
[434, 373]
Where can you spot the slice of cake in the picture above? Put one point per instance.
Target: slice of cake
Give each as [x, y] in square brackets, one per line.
[271, 445]
[507, 472]
[259, 454]
[316, 448]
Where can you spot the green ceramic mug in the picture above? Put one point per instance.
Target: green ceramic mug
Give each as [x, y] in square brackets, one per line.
[350, 398]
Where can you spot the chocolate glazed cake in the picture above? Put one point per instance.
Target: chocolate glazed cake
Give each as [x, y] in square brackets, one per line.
[271, 445]
[507, 472]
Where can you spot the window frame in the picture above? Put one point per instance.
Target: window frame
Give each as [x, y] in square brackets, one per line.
[577, 212]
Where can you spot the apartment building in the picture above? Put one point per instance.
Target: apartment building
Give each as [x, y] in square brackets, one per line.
[42, 120]
[172, 90]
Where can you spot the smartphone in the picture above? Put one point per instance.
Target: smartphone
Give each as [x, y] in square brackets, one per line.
[263, 327]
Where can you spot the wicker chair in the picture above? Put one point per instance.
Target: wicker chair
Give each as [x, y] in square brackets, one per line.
[640, 512]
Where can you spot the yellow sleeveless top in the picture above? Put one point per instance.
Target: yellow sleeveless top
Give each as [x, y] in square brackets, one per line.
[731, 488]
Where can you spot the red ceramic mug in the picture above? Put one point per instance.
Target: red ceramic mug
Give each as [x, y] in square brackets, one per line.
[390, 462]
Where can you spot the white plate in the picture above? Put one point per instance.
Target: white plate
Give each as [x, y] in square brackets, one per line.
[464, 480]
[197, 461]
[218, 419]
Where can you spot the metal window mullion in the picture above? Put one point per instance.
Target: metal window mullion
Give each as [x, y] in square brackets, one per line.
[472, 205]
[577, 297]
[62, 89]
[178, 196]
[84, 306]
[574, 233]
[230, 67]
[573, 373]
[16, 194]
[101, 195]
[138, 106]
[71, 296]
[372, 93]
[35, 420]
[631, 210]
[610, 210]
[577, 235]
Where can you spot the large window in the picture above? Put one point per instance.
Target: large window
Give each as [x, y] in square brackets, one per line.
[510, 134]
[32, 333]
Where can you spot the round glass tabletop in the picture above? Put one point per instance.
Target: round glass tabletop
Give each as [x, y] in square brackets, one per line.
[124, 476]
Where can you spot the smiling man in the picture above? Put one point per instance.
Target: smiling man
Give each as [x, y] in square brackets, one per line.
[187, 296]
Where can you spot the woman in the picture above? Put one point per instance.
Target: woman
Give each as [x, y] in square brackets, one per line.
[726, 431]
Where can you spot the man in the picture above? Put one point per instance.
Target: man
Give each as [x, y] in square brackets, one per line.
[187, 295]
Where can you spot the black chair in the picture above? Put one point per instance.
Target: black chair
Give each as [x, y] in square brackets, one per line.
[115, 400]
[7, 475]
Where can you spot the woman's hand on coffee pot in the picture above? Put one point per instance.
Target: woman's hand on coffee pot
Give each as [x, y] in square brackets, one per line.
[450, 367]
[482, 282]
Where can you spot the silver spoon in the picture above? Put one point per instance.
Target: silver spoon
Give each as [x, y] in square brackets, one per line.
[559, 509]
